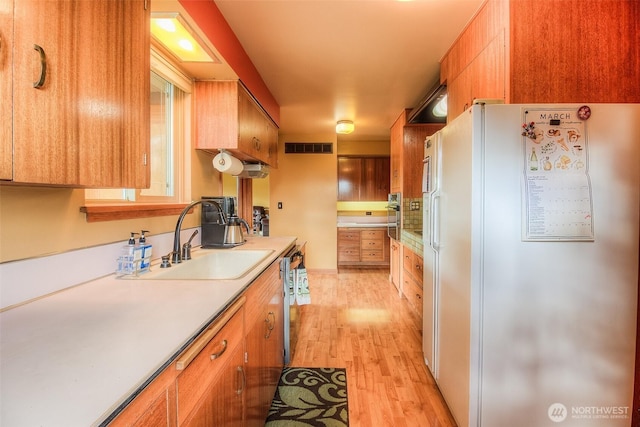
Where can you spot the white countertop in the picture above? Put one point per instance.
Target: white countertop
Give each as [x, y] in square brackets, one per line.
[362, 225]
[72, 358]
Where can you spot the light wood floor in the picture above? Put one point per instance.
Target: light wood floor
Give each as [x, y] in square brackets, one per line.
[357, 321]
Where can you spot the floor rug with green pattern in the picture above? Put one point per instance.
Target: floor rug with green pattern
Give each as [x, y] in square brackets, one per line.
[310, 397]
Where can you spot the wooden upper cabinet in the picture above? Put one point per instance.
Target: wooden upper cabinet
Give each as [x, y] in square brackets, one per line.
[375, 178]
[227, 117]
[407, 152]
[6, 62]
[579, 54]
[81, 93]
[363, 178]
[397, 135]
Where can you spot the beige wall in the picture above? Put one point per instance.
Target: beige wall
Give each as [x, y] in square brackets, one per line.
[38, 221]
[307, 187]
[369, 148]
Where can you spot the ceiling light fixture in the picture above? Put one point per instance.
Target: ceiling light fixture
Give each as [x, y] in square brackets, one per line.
[345, 126]
[175, 34]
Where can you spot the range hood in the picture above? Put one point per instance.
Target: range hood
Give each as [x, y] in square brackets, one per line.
[423, 112]
[254, 170]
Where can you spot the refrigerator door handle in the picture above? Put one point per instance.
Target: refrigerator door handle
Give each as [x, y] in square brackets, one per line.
[434, 241]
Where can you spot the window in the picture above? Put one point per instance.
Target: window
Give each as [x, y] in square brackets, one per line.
[169, 104]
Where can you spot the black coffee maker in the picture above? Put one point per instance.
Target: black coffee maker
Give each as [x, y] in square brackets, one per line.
[214, 222]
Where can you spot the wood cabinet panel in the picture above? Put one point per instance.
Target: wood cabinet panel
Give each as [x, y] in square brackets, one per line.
[212, 372]
[6, 106]
[397, 138]
[91, 129]
[589, 54]
[375, 178]
[349, 178]
[407, 152]
[412, 281]
[154, 406]
[227, 117]
[264, 344]
[363, 178]
[222, 402]
[395, 263]
[363, 246]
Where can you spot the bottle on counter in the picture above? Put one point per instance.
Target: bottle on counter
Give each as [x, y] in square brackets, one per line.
[129, 257]
[145, 252]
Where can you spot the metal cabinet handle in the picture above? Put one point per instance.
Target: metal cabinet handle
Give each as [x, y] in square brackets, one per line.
[243, 380]
[43, 67]
[271, 324]
[218, 354]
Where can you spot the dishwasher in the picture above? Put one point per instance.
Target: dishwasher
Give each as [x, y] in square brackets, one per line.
[291, 317]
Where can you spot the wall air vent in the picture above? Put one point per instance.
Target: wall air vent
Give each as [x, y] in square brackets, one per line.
[308, 148]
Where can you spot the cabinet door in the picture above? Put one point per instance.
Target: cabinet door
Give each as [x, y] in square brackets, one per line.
[395, 263]
[222, 404]
[136, 93]
[249, 130]
[264, 344]
[397, 135]
[349, 178]
[375, 179]
[271, 137]
[6, 62]
[79, 102]
[210, 390]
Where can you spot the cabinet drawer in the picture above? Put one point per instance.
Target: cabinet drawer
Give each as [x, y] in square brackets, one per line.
[345, 236]
[193, 383]
[372, 235]
[371, 244]
[407, 260]
[417, 271]
[413, 293]
[372, 255]
[349, 254]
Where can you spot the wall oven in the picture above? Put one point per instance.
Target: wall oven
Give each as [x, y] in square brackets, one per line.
[393, 215]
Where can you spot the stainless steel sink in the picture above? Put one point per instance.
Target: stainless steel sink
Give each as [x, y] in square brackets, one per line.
[211, 264]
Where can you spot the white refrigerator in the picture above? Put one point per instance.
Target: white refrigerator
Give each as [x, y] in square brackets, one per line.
[531, 248]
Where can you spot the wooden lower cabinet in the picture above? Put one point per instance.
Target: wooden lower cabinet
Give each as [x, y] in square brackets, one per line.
[264, 358]
[394, 261]
[363, 247]
[412, 279]
[210, 389]
[154, 406]
[228, 375]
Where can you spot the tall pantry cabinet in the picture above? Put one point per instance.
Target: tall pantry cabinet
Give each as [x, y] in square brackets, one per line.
[79, 73]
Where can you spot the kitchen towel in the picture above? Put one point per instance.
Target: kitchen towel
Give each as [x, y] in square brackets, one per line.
[303, 296]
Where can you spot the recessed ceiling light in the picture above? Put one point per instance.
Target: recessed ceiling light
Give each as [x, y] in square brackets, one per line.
[173, 32]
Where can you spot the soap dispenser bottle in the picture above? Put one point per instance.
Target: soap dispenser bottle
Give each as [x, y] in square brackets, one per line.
[127, 260]
[145, 252]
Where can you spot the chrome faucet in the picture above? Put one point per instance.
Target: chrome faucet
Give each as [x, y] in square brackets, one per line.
[176, 255]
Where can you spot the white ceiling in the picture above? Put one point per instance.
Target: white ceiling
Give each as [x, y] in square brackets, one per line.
[361, 60]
